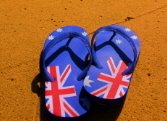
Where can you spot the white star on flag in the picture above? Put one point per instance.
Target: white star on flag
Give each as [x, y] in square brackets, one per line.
[84, 33]
[134, 37]
[51, 37]
[127, 30]
[87, 81]
[59, 30]
[118, 41]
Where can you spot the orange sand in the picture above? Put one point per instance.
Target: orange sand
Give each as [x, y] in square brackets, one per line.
[24, 25]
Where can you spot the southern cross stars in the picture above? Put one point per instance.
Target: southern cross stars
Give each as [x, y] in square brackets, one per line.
[59, 30]
[51, 37]
[84, 33]
[87, 81]
[118, 41]
[127, 30]
[134, 37]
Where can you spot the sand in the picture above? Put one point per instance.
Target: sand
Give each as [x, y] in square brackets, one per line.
[24, 25]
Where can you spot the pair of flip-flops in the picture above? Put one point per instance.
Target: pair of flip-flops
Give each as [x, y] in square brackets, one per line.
[70, 66]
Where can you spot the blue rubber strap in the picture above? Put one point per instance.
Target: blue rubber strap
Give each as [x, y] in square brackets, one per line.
[131, 65]
[55, 41]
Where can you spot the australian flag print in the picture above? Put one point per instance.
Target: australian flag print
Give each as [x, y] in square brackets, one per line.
[57, 94]
[112, 84]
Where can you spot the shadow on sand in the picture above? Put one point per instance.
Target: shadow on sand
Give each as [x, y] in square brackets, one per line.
[98, 112]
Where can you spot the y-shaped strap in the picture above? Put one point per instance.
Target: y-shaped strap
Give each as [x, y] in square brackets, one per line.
[127, 60]
[46, 60]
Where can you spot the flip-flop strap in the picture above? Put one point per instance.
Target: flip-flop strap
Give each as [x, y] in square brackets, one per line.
[132, 64]
[58, 39]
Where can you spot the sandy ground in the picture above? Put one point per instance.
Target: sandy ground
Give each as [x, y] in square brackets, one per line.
[24, 25]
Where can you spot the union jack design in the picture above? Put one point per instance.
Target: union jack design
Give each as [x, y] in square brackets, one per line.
[116, 84]
[56, 93]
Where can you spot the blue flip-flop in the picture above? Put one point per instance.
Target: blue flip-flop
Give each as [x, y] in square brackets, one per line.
[65, 60]
[115, 52]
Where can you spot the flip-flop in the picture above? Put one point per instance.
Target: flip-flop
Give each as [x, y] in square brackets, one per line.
[64, 63]
[115, 52]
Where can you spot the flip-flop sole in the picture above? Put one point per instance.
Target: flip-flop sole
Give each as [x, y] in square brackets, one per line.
[108, 82]
[62, 96]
